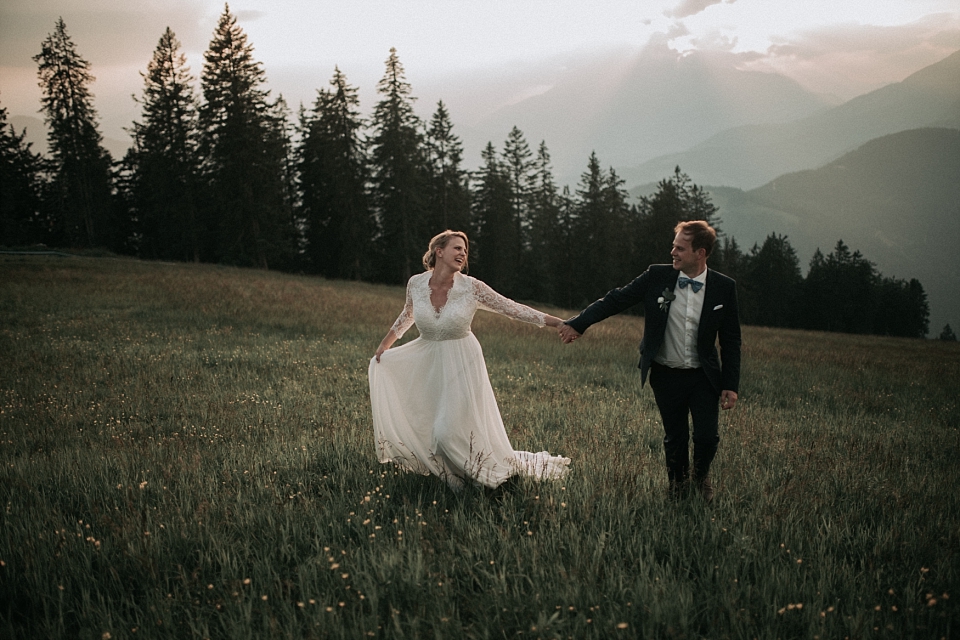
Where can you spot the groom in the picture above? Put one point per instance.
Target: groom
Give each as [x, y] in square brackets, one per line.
[687, 309]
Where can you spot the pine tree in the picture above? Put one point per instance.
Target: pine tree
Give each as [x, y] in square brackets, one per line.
[590, 231]
[519, 166]
[773, 284]
[81, 201]
[697, 201]
[21, 186]
[449, 190]
[728, 259]
[856, 281]
[333, 180]
[947, 334]
[398, 175]
[841, 292]
[817, 293]
[622, 227]
[546, 259]
[659, 214]
[603, 240]
[677, 199]
[165, 161]
[244, 157]
[280, 147]
[568, 243]
[492, 250]
[904, 311]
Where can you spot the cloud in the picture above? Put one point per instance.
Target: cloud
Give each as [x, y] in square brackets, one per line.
[660, 40]
[850, 59]
[688, 8]
[940, 31]
[715, 41]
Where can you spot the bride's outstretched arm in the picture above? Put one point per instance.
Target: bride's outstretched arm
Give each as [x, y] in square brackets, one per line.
[493, 301]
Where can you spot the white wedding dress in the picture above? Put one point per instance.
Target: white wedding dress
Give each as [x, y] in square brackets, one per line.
[433, 407]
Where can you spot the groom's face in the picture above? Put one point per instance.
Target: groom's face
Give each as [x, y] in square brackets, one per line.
[685, 259]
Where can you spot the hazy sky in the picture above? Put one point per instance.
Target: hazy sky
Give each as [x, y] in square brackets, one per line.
[841, 47]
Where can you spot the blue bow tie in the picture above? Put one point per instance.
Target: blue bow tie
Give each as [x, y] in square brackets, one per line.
[696, 285]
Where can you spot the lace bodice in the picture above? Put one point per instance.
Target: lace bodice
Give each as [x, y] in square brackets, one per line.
[453, 321]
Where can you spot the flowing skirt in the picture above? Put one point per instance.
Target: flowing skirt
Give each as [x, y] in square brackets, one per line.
[434, 412]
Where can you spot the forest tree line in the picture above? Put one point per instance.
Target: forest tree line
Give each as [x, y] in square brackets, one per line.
[232, 176]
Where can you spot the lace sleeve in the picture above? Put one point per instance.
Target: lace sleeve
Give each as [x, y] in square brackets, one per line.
[493, 301]
[405, 319]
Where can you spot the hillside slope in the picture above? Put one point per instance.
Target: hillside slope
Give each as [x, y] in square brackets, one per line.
[749, 156]
[896, 199]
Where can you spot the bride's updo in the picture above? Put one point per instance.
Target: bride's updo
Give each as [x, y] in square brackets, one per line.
[439, 241]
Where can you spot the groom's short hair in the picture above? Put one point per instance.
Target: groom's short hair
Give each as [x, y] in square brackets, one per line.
[701, 234]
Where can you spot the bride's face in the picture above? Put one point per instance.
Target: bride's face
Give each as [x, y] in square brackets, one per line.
[454, 255]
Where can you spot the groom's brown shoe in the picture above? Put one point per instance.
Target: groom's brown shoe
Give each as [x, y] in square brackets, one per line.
[706, 489]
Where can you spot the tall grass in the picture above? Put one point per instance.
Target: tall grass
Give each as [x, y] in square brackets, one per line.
[187, 451]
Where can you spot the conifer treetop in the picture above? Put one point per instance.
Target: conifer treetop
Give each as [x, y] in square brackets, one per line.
[67, 102]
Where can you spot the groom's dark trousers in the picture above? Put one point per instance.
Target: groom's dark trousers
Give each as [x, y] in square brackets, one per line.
[681, 392]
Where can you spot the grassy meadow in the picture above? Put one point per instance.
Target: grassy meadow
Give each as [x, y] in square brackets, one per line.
[186, 451]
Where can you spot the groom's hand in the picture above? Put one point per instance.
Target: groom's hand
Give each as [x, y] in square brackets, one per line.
[728, 399]
[567, 333]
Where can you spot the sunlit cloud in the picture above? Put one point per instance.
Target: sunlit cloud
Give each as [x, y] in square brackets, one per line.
[942, 29]
[851, 59]
[715, 41]
[674, 32]
[689, 8]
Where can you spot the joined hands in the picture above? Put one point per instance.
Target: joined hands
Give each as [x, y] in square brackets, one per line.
[567, 333]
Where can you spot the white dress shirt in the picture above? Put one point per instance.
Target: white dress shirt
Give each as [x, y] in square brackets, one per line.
[679, 349]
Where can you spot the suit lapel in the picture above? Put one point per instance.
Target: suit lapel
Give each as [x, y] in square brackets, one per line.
[711, 299]
[655, 322]
[670, 284]
[671, 280]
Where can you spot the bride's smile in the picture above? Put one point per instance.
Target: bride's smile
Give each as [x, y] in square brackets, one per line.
[454, 255]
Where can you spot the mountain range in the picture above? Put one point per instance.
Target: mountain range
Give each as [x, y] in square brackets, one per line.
[632, 107]
[896, 199]
[751, 155]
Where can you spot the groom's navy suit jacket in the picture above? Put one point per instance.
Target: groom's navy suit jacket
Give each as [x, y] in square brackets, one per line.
[719, 321]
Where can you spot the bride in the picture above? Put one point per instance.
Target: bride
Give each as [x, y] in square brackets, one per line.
[433, 407]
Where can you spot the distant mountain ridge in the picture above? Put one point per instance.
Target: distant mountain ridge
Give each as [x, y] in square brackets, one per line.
[896, 199]
[637, 107]
[752, 155]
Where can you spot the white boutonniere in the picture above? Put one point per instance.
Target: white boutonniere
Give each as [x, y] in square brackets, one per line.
[666, 298]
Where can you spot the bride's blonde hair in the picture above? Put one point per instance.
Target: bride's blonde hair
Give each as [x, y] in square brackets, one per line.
[440, 241]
